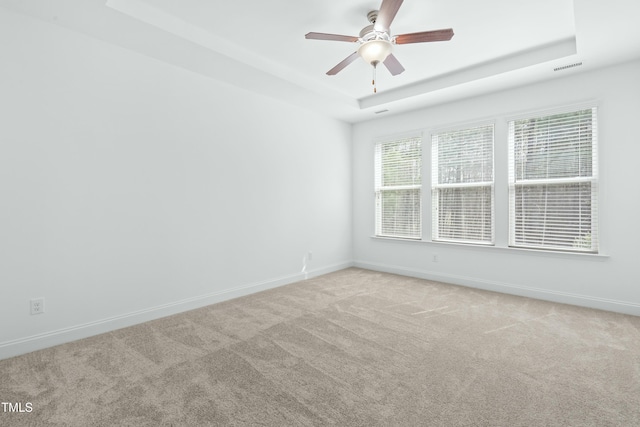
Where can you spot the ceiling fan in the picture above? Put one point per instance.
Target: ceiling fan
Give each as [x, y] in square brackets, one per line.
[376, 41]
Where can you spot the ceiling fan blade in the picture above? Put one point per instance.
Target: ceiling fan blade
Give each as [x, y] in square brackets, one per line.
[334, 37]
[425, 36]
[388, 10]
[393, 65]
[348, 60]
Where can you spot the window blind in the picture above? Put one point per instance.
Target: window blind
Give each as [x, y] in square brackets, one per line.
[462, 185]
[553, 181]
[398, 182]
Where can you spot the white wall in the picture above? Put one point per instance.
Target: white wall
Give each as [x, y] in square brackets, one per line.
[609, 282]
[131, 189]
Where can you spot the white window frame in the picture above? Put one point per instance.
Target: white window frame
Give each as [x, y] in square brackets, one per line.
[503, 189]
[413, 219]
[437, 187]
[515, 183]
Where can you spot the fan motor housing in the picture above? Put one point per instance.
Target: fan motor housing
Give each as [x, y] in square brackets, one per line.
[369, 33]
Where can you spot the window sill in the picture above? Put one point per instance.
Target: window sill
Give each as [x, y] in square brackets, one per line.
[505, 249]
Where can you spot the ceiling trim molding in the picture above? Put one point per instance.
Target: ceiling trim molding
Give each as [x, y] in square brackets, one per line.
[522, 59]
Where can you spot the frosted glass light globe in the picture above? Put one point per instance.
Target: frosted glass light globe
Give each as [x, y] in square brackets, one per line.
[375, 51]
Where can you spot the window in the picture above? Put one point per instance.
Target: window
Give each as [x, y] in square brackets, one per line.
[553, 182]
[462, 185]
[398, 167]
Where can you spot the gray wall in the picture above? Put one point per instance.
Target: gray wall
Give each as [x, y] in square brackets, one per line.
[610, 281]
[132, 189]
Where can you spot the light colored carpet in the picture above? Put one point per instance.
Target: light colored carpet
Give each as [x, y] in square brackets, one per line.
[352, 348]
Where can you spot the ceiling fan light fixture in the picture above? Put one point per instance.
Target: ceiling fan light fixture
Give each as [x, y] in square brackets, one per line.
[376, 41]
[375, 51]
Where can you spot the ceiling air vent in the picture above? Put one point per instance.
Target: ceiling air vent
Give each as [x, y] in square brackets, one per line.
[564, 67]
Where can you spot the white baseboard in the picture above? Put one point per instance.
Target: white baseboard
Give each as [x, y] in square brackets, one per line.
[330, 269]
[73, 333]
[61, 336]
[525, 291]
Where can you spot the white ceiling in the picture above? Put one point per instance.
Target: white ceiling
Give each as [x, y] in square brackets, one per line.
[260, 45]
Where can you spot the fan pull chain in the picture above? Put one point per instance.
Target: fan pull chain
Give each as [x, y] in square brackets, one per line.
[373, 81]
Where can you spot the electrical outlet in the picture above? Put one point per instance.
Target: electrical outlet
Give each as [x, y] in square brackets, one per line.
[434, 258]
[37, 306]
